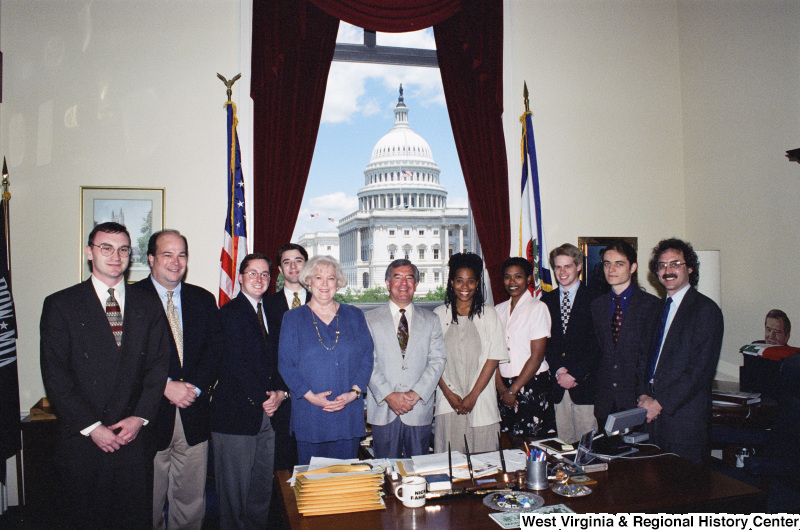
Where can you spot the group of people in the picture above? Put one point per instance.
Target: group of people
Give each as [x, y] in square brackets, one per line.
[276, 380]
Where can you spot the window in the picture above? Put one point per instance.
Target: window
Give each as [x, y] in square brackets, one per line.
[436, 277]
[422, 253]
[366, 280]
[422, 232]
[391, 254]
[450, 252]
[436, 253]
[328, 247]
[436, 232]
[450, 233]
[421, 277]
[406, 232]
[391, 231]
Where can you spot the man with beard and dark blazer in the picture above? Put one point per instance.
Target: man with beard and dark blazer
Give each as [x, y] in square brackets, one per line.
[104, 358]
[182, 427]
[624, 321]
[674, 380]
[572, 351]
[291, 260]
[249, 391]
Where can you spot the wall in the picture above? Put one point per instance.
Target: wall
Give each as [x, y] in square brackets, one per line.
[659, 119]
[112, 93]
[741, 113]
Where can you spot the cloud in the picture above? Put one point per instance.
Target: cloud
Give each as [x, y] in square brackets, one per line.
[335, 205]
[457, 202]
[346, 97]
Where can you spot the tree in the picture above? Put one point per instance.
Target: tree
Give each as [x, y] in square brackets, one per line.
[145, 231]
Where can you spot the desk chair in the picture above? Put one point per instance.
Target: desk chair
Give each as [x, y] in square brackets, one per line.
[780, 460]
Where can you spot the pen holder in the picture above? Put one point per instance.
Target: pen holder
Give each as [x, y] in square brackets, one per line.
[537, 474]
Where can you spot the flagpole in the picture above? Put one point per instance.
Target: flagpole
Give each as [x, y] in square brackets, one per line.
[6, 199]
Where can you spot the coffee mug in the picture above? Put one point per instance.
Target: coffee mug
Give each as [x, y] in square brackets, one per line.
[413, 489]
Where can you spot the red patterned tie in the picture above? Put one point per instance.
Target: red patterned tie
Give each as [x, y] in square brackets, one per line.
[114, 316]
[616, 320]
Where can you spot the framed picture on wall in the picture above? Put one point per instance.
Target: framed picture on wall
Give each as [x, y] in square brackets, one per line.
[141, 210]
[592, 275]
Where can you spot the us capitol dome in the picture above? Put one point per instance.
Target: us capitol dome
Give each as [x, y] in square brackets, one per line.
[402, 213]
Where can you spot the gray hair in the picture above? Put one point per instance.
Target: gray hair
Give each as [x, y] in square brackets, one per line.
[322, 261]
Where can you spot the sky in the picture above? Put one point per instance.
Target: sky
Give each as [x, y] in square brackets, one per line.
[358, 111]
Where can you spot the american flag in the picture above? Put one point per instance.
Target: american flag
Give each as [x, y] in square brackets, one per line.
[314, 215]
[331, 220]
[234, 246]
[406, 174]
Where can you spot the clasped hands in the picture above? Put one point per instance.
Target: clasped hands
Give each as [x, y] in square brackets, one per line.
[650, 404]
[321, 400]
[402, 402]
[462, 405]
[106, 439]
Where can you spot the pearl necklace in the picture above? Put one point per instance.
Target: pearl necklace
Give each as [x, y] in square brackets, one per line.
[314, 320]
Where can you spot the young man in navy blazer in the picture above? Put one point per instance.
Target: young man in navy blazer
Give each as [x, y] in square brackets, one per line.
[572, 351]
[674, 382]
[182, 425]
[104, 358]
[624, 320]
[249, 391]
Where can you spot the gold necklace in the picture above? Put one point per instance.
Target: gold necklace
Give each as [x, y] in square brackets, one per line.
[314, 320]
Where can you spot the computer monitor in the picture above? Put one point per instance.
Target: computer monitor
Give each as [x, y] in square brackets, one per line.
[625, 420]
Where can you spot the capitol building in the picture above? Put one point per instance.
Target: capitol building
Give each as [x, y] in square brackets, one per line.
[402, 213]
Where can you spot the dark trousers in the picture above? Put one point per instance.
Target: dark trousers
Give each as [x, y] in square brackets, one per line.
[116, 497]
[398, 440]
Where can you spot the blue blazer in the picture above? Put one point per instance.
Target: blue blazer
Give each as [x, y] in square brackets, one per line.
[685, 370]
[577, 350]
[616, 375]
[202, 345]
[246, 373]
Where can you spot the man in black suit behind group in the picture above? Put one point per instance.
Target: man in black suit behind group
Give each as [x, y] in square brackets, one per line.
[624, 320]
[104, 359]
[674, 381]
[291, 260]
[571, 351]
[182, 425]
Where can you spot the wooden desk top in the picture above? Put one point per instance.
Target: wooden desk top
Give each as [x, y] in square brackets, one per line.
[660, 484]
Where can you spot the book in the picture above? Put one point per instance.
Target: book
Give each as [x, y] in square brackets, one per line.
[438, 482]
[739, 398]
[557, 445]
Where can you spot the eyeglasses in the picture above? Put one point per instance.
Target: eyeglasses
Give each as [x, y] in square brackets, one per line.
[253, 275]
[670, 265]
[108, 250]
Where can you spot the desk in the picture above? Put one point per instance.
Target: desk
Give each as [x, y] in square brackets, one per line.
[661, 484]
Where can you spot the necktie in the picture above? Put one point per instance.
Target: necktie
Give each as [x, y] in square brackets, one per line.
[114, 316]
[565, 312]
[295, 301]
[175, 325]
[402, 332]
[616, 320]
[260, 315]
[651, 369]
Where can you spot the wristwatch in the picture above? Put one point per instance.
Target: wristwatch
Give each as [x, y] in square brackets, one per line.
[356, 391]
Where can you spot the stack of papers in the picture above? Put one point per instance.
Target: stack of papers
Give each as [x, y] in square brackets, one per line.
[334, 489]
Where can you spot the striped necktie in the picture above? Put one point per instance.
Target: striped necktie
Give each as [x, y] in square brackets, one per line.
[114, 316]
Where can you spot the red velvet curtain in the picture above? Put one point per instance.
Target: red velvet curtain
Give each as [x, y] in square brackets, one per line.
[293, 43]
[391, 16]
[469, 46]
